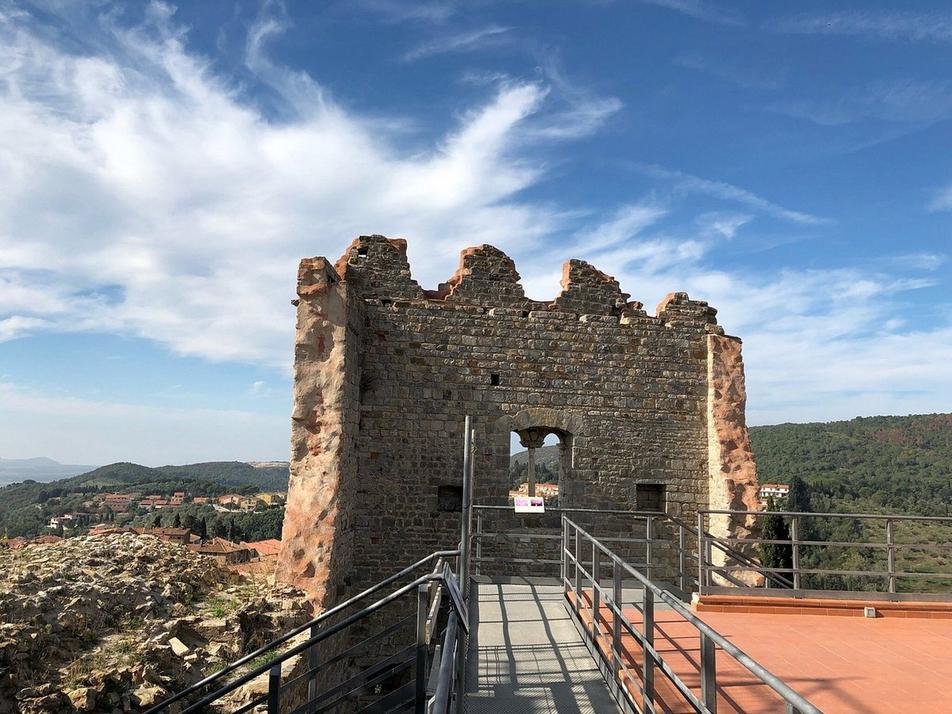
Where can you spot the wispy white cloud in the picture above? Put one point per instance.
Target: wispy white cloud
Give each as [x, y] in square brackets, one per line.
[102, 431]
[259, 388]
[17, 325]
[722, 224]
[818, 343]
[912, 261]
[686, 183]
[702, 10]
[628, 222]
[581, 110]
[143, 195]
[941, 200]
[871, 24]
[478, 39]
[740, 75]
[892, 100]
[140, 171]
[408, 10]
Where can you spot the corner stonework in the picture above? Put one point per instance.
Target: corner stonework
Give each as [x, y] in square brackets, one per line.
[732, 470]
[317, 546]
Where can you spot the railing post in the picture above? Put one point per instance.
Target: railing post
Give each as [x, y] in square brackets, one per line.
[466, 520]
[795, 550]
[648, 548]
[479, 542]
[596, 599]
[701, 566]
[647, 613]
[708, 674]
[682, 564]
[313, 660]
[891, 555]
[616, 617]
[421, 652]
[578, 572]
[462, 644]
[563, 546]
[274, 689]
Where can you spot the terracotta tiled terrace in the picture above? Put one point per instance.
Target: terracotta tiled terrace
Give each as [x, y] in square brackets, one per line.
[841, 664]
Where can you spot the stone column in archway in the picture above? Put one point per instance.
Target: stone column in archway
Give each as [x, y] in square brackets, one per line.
[532, 439]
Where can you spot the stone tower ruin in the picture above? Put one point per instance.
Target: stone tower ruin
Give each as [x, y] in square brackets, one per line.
[646, 407]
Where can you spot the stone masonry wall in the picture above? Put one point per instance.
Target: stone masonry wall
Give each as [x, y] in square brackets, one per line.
[385, 371]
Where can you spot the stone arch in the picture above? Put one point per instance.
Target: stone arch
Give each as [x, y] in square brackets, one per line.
[532, 425]
[540, 418]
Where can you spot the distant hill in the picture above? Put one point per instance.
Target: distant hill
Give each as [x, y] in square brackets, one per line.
[888, 463]
[548, 455]
[546, 465]
[225, 473]
[25, 507]
[37, 469]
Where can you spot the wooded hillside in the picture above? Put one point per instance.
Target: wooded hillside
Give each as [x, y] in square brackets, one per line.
[876, 464]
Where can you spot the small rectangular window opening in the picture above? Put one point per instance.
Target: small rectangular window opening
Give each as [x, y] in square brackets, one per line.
[494, 380]
[449, 499]
[649, 497]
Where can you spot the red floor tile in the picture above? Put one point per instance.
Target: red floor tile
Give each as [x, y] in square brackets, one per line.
[840, 664]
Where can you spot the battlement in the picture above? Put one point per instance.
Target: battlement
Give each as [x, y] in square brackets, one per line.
[378, 269]
[645, 406]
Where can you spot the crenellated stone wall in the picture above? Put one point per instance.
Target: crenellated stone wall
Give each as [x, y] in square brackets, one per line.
[385, 371]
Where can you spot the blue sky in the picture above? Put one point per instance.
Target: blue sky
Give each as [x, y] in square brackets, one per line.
[164, 168]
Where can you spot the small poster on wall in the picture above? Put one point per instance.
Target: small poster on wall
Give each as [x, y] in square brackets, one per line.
[529, 504]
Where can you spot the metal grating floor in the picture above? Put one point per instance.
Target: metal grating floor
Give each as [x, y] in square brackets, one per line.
[527, 655]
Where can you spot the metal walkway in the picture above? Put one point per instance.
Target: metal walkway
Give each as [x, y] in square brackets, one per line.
[526, 655]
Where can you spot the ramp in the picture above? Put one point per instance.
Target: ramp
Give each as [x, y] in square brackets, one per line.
[526, 655]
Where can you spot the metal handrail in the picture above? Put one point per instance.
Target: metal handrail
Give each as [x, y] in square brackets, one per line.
[724, 545]
[709, 636]
[684, 577]
[314, 639]
[560, 509]
[310, 642]
[873, 516]
[792, 575]
[448, 667]
[683, 574]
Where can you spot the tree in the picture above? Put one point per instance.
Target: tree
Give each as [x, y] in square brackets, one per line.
[775, 555]
[799, 500]
[201, 529]
[232, 531]
[799, 497]
[157, 521]
[177, 521]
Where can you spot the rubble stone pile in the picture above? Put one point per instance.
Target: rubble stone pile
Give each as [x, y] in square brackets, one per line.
[115, 623]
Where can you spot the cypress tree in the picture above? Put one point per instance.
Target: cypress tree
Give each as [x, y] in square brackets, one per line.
[775, 555]
[799, 497]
